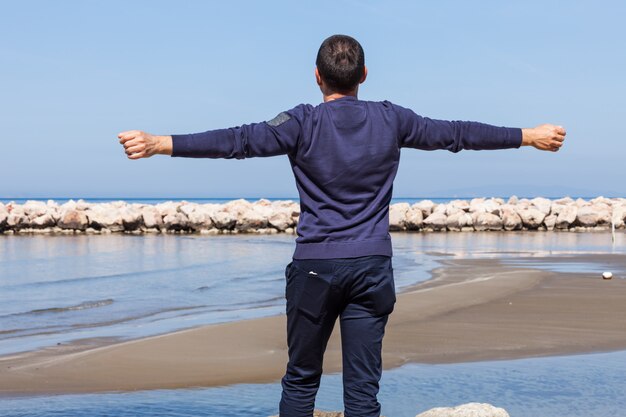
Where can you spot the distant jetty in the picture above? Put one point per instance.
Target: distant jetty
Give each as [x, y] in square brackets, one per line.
[268, 217]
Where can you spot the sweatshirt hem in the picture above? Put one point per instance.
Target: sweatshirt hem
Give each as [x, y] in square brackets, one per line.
[330, 250]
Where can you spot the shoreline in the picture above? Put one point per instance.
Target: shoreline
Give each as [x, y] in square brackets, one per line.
[470, 310]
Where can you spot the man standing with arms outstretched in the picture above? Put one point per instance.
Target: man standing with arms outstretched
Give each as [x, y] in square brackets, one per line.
[344, 154]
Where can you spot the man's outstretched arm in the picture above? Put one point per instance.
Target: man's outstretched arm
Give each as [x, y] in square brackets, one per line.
[429, 134]
[278, 136]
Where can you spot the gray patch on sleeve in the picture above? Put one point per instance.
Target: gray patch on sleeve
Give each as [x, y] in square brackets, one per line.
[279, 120]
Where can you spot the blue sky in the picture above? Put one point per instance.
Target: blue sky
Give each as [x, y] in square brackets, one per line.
[75, 73]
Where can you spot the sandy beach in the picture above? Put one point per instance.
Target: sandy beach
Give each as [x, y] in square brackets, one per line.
[471, 310]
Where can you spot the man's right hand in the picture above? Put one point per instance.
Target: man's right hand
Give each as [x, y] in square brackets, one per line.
[138, 144]
[544, 137]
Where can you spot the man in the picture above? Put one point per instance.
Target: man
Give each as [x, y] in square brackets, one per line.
[344, 154]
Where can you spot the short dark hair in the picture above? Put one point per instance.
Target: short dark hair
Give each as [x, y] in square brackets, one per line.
[341, 62]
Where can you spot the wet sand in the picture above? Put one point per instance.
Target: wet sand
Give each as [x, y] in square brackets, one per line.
[471, 310]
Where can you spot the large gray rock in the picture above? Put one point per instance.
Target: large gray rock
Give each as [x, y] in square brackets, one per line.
[176, 222]
[17, 219]
[44, 221]
[397, 216]
[224, 220]
[466, 410]
[567, 216]
[105, 216]
[167, 207]
[461, 204]
[73, 219]
[510, 219]
[481, 205]
[436, 221]
[4, 216]
[459, 221]
[532, 218]
[594, 215]
[550, 221]
[281, 220]
[414, 219]
[542, 204]
[34, 208]
[486, 221]
[151, 217]
[250, 219]
[426, 206]
[132, 218]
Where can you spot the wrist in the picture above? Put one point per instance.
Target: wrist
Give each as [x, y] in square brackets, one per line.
[164, 145]
[528, 136]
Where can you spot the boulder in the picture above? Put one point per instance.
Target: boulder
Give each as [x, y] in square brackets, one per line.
[73, 219]
[476, 204]
[34, 208]
[151, 217]
[176, 222]
[105, 216]
[532, 218]
[414, 219]
[4, 216]
[17, 219]
[542, 204]
[486, 221]
[567, 216]
[436, 221]
[44, 221]
[397, 216]
[167, 207]
[513, 200]
[426, 206]
[459, 220]
[250, 219]
[593, 215]
[281, 220]
[460, 204]
[510, 219]
[466, 410]
[563, 201]
[550, 221]
[132, 218]
[224, 220]
[480, 205]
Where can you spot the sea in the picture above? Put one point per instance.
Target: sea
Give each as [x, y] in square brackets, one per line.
[67, 289]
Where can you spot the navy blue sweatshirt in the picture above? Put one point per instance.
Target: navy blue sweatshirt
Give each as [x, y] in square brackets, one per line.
[344, 155]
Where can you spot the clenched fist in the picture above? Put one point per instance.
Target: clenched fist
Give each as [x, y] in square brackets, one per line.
[138, 144]
[544, 137]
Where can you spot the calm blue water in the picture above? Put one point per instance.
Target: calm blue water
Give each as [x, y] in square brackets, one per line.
[55, 289]
[62, 200]
[572, 386]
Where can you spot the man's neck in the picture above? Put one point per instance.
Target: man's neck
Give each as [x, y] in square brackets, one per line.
[335, 96]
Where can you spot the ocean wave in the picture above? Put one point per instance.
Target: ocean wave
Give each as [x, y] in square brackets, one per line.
[82, 306]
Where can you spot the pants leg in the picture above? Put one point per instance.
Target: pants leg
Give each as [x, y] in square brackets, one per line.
[363, 321]
[311, 314]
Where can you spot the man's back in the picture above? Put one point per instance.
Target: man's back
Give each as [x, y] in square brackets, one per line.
[344, 165]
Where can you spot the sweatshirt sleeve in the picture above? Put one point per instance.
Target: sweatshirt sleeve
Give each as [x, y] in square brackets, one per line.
[429, 134]
[278, 136]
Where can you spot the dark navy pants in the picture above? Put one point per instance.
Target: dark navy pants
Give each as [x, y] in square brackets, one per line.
[361, 293]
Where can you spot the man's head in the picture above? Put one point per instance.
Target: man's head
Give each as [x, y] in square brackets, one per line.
[340, 65]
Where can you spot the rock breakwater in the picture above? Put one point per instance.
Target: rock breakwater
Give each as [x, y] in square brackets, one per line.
[268, 217]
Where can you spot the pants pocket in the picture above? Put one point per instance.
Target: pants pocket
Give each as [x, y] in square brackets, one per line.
[314, 292]
[382, 293]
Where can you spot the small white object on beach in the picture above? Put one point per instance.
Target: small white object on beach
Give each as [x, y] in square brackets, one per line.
[607, 275]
